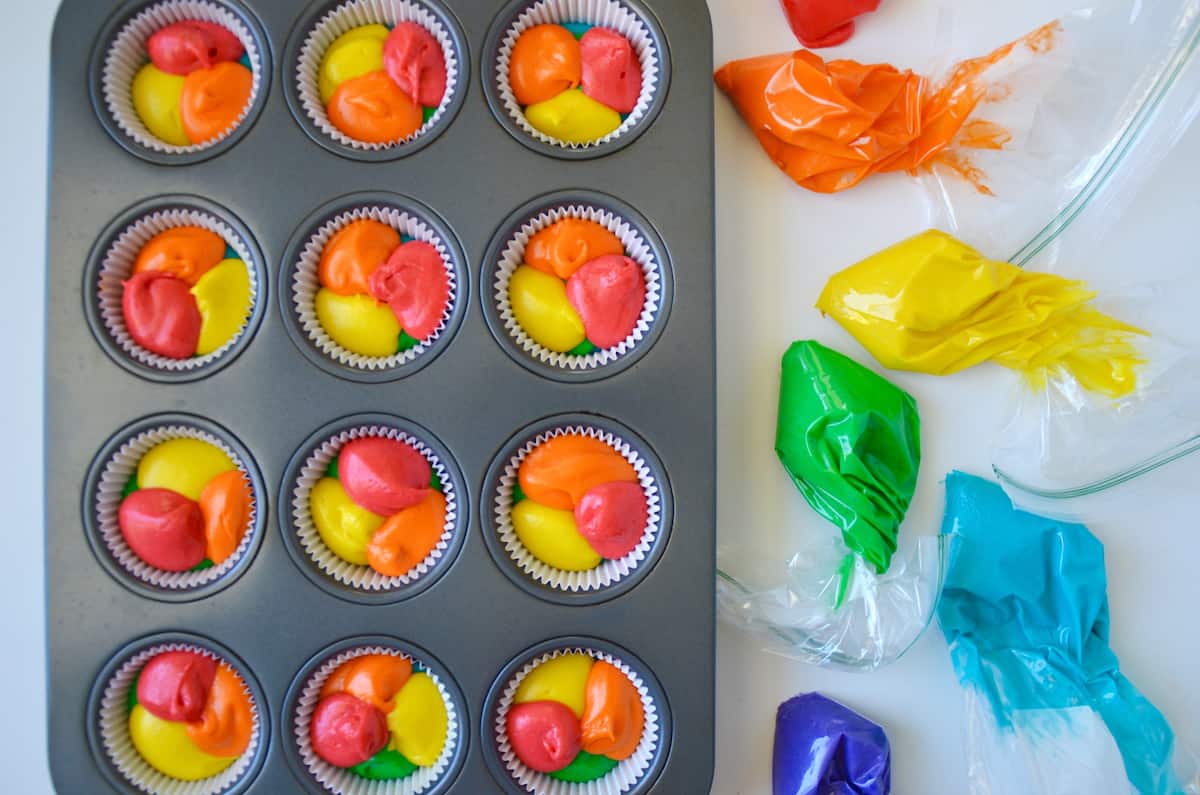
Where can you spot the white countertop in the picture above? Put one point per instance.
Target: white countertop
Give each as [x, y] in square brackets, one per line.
[776, 245]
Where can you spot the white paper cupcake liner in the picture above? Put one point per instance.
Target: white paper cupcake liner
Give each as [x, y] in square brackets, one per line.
[128, 53]
[117, 267]
[345, 782]
[364, 577]
[357, 13]
[306, 283]
[108, 498]
[636, 248]
[610, 14]
[608, 572]
[114, 732]
[621, 778]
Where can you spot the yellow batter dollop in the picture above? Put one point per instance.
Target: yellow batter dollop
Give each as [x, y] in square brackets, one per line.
[166, 747]
[156, 98]
[223, 297]
[573, 116]
[353, 54]
[552, 537]
[539, 304]
[344, 526]
[358, 323]
[182, 465]
[562, 679]
[418, 721]
[933, 304]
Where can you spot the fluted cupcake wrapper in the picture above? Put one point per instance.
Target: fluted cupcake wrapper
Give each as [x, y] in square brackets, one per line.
[357, 13]
[117, 267]
[128, 54]
[306, 282]
[608, 572]
[637, 248]
[624, 777]
[356, 576]
[610, 14]
[345, 782]
[109, 495]
[114, 732]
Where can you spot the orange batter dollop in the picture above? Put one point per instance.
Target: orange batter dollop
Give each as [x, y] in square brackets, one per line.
[353, 254]
[228, 720]
[373, 678]
[558, 472]
[374, 109]
[213, 99]
[545, 61]
[567, 245]
[187, 252]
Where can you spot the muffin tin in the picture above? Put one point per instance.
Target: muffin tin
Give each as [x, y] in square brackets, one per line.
[274, 397]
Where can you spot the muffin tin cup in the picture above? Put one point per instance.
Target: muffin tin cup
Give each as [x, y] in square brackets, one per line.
[320, 564]
[111, 263]
[631, 776]
[507, 251]
[612, 577]
[323, 23]
[121, 52]
[299, 284]
[630, 18]
[108, 722]
[305, 693]
[111, 470]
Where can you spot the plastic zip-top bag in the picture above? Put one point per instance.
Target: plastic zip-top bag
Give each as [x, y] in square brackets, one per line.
[1095, 186]
[1085, 121]
[1048, 711]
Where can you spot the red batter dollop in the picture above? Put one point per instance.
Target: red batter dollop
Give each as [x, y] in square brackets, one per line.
[163, 528]
[161, 314]
[612, 73]
[544, 734]
[413, 58]
[175, 685]
[346, 731]
[183, 47]
[383, 475]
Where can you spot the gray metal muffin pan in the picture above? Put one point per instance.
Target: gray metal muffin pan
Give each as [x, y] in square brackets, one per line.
[471, 396]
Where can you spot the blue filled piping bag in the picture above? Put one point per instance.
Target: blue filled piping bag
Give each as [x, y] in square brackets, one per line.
[1025, 611]
[824, 748]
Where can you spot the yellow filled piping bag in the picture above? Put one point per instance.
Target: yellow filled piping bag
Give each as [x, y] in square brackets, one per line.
[933, 304]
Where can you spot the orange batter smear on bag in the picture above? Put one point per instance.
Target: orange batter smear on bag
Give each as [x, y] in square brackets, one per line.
[830, 125]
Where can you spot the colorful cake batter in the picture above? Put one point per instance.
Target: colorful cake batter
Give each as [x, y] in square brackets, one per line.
[381, 717]
[190, 715]
[830, 125]
[575, 718]
[577, 291]
[379, 85]
[381, 292]
[379, 505]
[578, 502]
[186, 507]
[575, 82]
[935, 305]
[187, 296]
[195, 87]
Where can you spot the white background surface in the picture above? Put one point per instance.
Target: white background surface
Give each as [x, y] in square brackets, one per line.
[776, 246]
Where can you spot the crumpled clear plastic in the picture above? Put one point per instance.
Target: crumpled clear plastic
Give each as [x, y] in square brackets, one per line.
[1025, 611]
[1096, 185]
[852, 592]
